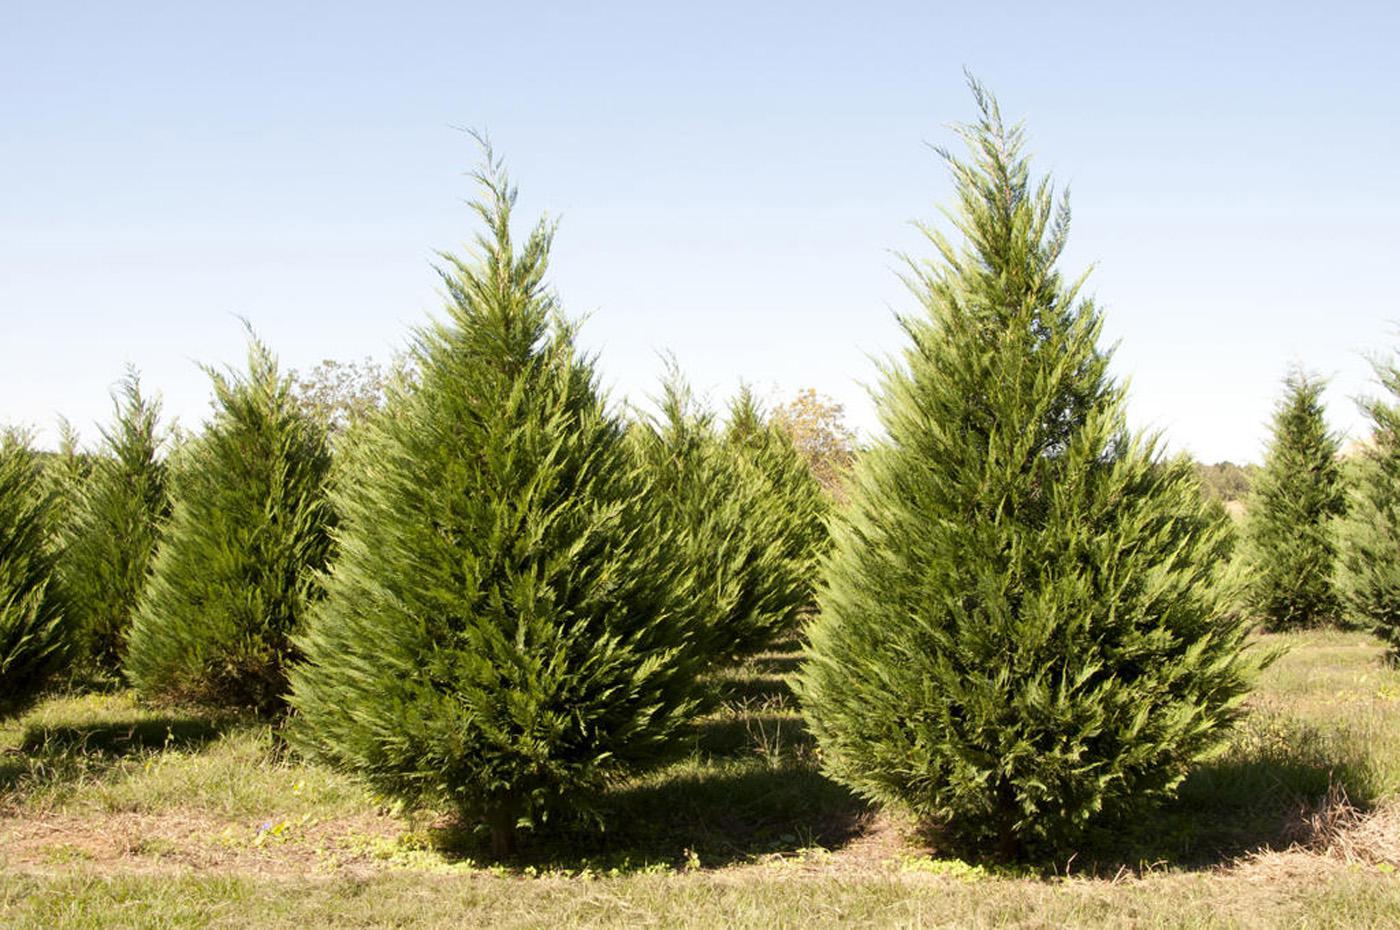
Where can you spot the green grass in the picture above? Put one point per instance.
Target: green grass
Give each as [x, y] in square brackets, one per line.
[113, 814]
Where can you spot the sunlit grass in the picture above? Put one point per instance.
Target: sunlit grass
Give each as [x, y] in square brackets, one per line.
[741, 830]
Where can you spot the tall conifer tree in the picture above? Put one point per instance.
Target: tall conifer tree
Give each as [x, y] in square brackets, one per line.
[505, 627]
[1290, 545]
[114, 526]
[33, 633]
[1019, 627]
[1369, 565]
[235, 569]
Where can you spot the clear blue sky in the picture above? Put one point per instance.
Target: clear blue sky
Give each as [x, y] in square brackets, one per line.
[731, 178]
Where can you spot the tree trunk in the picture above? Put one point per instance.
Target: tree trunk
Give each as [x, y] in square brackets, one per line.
[501, 820]
[502, 840]
[1008, 844]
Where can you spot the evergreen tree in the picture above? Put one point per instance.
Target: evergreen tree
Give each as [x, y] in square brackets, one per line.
[65, 477]
[1019, 625]
[1289, 541]
[790, 499]
[691, 492]
[33, 636]
[114, 528]
[234, 571]
[746, 512]
[504, 628]
[1369, 563]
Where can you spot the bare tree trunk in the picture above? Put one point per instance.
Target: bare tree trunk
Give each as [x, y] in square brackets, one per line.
[501, 818]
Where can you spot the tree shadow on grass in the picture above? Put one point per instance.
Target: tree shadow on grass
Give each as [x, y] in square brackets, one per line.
[758, 681]
[712, 816]
[1252, 799]
[750, 787]
[56, 753]
[753, 691]
[1224, 810]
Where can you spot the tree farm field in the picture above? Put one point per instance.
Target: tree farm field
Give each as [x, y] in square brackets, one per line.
[115, 814]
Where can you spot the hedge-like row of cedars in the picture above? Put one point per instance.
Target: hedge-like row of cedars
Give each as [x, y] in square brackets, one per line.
[499, 594]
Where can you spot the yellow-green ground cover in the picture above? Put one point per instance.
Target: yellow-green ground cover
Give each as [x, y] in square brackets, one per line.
[115, 815]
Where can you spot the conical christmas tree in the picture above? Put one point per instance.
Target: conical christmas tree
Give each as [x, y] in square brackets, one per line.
[503, 630]
[1290, 545]
[234, 571]
[792, 504]
[33, 633]
[713, 503]
[1019, 628]
[1368, 576]
[114, 527]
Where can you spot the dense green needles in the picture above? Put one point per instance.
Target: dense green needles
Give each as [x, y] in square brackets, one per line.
[234, 573]
[746, 516]
[116, 512]
[33, 633]
[1290, 548]
[1020, 628]
[506, 626]
[1369, 567]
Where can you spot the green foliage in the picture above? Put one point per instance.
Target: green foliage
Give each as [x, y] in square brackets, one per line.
[1368, 575]
[113, 528]
[1020, 628]
[65, 475]
[1225, 481]
[789, 510]
[503, 628]
[234, 572]
[727, 496]
[33, 634]
[1289, 540]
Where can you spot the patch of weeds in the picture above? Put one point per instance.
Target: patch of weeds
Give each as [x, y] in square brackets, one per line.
[414, 850]
[154, 847]
[66, 854]
[952, 868]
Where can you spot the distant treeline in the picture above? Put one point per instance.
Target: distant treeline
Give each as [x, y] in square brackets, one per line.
[1226, 481]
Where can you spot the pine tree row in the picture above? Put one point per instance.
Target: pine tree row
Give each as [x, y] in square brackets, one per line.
[495, 593]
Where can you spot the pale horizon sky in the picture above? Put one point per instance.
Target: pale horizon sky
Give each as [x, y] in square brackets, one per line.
[732, 181]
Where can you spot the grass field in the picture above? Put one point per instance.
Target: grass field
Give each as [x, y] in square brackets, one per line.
[114, 815]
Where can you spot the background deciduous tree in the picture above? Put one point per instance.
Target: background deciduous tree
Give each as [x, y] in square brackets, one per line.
[819, 432]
